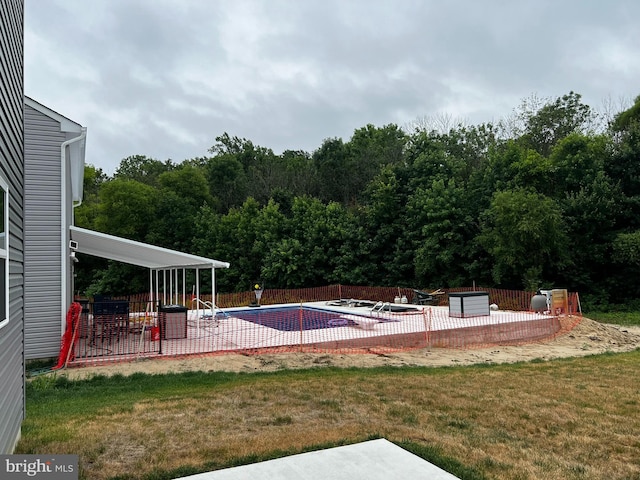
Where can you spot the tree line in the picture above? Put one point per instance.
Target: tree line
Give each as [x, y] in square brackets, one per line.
[549, 197]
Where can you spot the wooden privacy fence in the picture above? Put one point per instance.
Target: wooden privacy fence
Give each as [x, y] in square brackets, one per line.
[331, 319]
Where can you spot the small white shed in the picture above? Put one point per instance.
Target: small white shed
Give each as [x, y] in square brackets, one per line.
[468, 304]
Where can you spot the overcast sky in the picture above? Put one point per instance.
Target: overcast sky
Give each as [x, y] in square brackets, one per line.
[163, 78]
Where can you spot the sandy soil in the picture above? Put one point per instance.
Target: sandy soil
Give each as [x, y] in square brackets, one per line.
[587, 338]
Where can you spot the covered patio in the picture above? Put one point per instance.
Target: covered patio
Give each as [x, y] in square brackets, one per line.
[167, 268]
[110, 327]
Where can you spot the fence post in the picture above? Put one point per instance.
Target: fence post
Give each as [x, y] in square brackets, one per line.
[301, 329]
[160, 327]
[427, 327]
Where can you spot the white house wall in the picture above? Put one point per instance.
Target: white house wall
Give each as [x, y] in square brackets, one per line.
[42, 220]
[11, 169]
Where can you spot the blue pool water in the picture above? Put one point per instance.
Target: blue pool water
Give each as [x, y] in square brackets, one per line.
[288, 319]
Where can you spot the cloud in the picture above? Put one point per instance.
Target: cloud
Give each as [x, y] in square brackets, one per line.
[163, 78]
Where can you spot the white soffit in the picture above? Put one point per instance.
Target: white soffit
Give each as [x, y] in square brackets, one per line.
[137, 253]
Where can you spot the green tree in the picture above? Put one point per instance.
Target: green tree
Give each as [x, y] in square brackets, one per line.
[590, 218]
[623, 166]
[309, 255]
[626, 248]
[524, 233]
[429, 160]
[189, 183]
[625, 119]
[510, 165]
[267, 174]
[227, 181]
[455, 154]
[301, 176]
[436, 208]
[126, 208]
[624, 265]
[242, 237]
[382, 260]
[117, 279]
[577, 161]
[84, 216]
[142, 169]
[173, 223]
[444, 243]
[335, 174]
[86, 212]
[544, 126]
[240, 148]
[368, 151]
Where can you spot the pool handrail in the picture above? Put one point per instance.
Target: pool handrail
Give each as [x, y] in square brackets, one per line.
[209, 306]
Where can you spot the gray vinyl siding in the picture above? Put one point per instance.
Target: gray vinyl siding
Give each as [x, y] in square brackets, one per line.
[43, 258]
[11, 169]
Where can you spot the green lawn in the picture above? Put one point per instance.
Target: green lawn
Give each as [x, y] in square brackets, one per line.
[615, 317]
[571, 419]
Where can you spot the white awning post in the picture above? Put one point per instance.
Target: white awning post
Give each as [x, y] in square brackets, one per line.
[178, 285]
[177, 288]
[157, 297]
[198, 300]
[150, 302]
[213, 287]
[184, 287]
[164, 287]
[170, 272]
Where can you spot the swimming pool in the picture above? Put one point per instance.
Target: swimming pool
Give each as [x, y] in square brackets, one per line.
[288, 319]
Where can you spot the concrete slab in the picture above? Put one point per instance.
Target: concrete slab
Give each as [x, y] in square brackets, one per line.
[372, 460]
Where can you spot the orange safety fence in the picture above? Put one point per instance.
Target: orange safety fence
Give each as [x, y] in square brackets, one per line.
[332, 319]
[69, 337]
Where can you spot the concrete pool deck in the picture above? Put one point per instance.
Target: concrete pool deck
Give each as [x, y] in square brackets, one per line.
[432, 320]
[425, 326]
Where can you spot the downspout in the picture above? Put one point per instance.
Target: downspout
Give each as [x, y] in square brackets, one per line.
[77, 180]
[65, 223]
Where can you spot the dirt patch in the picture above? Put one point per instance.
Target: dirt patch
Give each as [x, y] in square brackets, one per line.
[587, 338]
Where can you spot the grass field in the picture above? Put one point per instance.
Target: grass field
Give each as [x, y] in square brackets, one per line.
[570, 419]
[616, 317]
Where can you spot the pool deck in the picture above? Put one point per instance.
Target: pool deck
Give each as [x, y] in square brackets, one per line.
[376, 324]
[426, 326]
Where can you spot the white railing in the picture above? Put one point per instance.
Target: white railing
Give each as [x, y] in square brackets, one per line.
[213, 312]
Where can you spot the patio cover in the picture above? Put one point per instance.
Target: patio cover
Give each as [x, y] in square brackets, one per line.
[137, 253]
